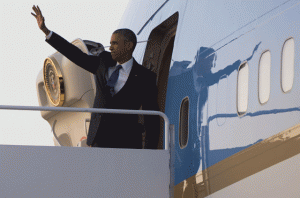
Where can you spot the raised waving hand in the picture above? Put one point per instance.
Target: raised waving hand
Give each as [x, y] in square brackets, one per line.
[40, 19]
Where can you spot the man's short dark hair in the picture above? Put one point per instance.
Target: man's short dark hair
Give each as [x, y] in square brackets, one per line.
[128, 34]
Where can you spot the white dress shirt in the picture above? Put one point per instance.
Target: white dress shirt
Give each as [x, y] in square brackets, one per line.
[123, 74]
[49, 35]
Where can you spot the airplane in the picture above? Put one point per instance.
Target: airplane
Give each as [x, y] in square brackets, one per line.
[228, 78]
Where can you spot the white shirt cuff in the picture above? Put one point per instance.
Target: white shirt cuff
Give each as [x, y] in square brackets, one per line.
[49, 35]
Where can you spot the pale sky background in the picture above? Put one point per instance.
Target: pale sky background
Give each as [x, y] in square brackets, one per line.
[23, 51]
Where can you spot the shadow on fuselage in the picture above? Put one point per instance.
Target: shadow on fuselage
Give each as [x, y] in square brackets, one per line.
[198, 75]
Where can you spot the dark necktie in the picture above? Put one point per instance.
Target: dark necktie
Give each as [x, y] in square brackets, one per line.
[113, 80]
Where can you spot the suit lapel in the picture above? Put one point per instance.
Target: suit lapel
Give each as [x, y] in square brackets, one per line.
[132, 80]
[134, 71]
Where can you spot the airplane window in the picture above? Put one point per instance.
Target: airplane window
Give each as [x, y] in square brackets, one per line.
[242, 88]
[184, 122]
[287, 65]
[264, 75]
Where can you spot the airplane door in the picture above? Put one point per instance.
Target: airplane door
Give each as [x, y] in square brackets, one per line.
[74, 87]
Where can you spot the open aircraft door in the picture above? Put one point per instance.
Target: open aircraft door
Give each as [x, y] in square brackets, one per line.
[63, 83]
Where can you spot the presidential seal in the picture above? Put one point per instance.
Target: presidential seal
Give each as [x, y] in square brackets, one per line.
[53, 81]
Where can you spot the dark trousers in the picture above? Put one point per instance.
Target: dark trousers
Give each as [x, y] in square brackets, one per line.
[119, 136]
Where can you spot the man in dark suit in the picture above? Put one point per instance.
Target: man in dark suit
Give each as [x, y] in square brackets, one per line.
[121, 84]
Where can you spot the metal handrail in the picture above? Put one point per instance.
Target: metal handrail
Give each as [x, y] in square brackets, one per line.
[95, 110]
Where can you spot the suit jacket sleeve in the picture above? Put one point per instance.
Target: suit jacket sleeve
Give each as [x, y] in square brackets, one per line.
[74, 54]
[149, 102]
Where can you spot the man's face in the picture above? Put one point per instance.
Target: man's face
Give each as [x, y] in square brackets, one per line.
[120, 49]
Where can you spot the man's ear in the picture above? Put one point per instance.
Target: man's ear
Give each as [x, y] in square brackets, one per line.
[129, 46]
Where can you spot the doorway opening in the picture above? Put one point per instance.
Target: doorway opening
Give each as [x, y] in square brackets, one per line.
[157, 58]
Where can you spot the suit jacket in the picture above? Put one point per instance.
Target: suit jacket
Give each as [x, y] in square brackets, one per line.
[116, 130]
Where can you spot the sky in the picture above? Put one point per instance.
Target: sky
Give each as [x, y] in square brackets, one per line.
[23, 51]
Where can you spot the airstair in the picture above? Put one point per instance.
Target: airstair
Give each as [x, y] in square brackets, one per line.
[44, 171]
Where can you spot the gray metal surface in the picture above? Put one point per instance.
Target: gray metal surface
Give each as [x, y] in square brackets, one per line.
[36, 171]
